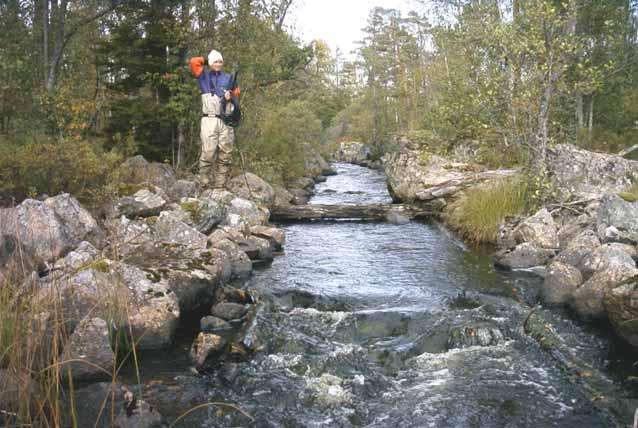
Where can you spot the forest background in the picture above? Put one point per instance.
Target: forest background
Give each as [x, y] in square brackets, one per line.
[86, 83]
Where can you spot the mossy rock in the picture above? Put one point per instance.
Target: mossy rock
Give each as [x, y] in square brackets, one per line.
[98, 265]
[129, 189]
[193, 209]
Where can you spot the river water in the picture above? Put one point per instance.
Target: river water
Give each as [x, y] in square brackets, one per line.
[355, 322]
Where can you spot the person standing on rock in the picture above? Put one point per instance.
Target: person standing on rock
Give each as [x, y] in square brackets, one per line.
[217, 137]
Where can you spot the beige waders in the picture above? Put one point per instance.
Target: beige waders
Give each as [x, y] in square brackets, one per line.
[217, 144]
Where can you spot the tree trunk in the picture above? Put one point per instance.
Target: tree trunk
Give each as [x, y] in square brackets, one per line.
[590, 125]
[580, 114]
[355, 212]
[45, 42]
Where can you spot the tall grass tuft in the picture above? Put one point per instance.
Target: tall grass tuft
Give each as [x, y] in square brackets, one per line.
[477, 214]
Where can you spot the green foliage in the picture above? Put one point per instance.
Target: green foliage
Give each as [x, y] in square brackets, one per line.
[277, 151]
[479, 212]
[46, 166]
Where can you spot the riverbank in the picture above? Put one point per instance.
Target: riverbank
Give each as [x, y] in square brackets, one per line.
[157, 271]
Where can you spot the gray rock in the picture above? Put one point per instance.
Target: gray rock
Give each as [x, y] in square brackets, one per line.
[257, 248]
[274, 235]
[253, 188]
[618, 220]
[241, 266]
[246, 211]
[583, 174]
[608, 256]
[610, 269]
[621, 304]
[579, 249]
[138, 171]
[561, 280]
[466, 336]
[90, 347]
[170, 227]
[94, 404]
[207, 350]
[524, 255]
[130, 236]
[192, 274]
[352, 152]
[82, 255]
[228, 311]
[203, 214]
[214, 325]
[300, 196]
[143, 203]
[182, 189]
[46, 231]
[304, 183]
[539, 230]
[122, 294]
[574, 227]
[505, 236]
[283, 197]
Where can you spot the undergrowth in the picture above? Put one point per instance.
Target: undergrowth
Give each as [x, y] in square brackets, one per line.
[477, 214]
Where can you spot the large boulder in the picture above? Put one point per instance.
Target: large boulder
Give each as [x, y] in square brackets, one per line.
[621, 303]
[139, 171]
[525, 255]
[274, 235]
[606, 256]
[583, 174]
[242, 210]
[409, 172]
[89, 352]
[183, 189]
[84, 254]
[610, 265]
[132, 299]
[579, 249]
[253, 188]
[143, 203]
[315, 164]
[424, 176]
[561, 280]
[192, 274]
[171, 227]
[46, 230]
[539, 230]
[618, 220]
[240, 264]
[282, 198]
[353, 152]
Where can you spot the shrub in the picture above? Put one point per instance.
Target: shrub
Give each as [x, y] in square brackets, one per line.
[478, 213]
[278, 149]
[46, 166]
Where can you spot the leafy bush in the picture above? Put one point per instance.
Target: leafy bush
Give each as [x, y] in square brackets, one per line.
[45, 166]
[277, 151]
[479, 212]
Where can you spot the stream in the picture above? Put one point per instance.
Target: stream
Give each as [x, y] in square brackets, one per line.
[366, 324]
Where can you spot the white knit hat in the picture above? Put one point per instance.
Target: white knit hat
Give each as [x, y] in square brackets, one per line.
[214, 56]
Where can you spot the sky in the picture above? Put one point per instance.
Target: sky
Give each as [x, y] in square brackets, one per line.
[338, 22]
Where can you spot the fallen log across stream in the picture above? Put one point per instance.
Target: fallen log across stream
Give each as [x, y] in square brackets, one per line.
[376, 212]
